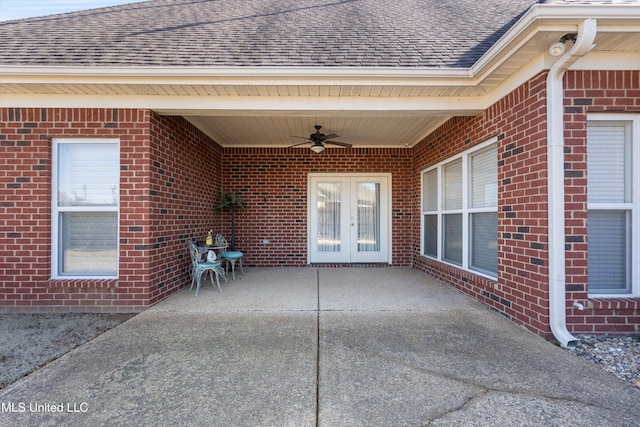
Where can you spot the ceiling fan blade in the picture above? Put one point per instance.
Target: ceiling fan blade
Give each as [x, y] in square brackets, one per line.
[303, 137]
[331, 136]
[338, 143]
[302, 143]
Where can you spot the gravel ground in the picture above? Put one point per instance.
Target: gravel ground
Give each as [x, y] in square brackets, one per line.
[30, 341]
[617, 355]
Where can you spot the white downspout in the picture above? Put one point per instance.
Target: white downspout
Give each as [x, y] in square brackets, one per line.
[555, 154]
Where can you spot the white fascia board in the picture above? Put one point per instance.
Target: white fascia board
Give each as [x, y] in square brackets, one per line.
[582, 12]
[234, 105]
[238, 75]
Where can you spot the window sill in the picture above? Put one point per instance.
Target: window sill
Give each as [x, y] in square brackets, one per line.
[461, 268]
[83, 283]
[626, 302]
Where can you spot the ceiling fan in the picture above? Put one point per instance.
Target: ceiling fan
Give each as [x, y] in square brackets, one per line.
[318, 140]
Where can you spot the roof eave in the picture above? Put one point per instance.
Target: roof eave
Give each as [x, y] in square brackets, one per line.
[547, 17]
[236, 75]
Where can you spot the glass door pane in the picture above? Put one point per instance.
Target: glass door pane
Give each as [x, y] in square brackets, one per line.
[369, 219]
[329, 195]
[368, 215]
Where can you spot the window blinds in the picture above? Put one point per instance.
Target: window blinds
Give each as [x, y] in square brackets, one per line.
[607, 163]
[609, 216]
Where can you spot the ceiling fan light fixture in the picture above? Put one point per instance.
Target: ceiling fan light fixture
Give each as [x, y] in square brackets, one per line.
[317, 148]
[318, 141]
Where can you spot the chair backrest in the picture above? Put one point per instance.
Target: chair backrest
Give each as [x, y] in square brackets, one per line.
[193, 251]
[221, 241]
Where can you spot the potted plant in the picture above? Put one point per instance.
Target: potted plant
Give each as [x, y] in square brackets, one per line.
[233, 201]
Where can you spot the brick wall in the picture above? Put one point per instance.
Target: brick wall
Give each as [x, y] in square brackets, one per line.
[171, 175]
[154, 193]
[185, 180]
[273, 182]
[590, 92]
[521, 291]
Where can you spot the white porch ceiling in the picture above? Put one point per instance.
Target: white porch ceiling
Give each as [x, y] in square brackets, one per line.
[278, 131]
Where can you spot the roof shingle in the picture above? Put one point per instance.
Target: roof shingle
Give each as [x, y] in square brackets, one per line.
[273, 33]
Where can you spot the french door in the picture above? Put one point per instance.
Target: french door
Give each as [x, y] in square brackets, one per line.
[349, 218]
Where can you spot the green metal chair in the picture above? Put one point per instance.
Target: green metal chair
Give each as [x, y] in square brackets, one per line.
[200, 268]
[229, 257]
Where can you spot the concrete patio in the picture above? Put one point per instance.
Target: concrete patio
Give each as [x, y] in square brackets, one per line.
[328, 347]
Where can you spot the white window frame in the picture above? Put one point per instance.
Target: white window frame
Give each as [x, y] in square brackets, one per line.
[466, 209]
[56, 209]
[633, 207]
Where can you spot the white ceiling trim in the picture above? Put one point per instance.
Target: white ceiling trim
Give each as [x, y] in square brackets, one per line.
[251, 105]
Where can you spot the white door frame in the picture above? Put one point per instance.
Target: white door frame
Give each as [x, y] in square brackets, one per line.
[385, 209]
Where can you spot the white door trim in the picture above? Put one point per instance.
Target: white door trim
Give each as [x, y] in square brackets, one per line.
[386, 206]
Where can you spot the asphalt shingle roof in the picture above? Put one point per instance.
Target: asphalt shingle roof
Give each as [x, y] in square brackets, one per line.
[296, 33]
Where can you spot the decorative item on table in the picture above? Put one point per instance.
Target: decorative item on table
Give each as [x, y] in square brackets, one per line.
[209, 239]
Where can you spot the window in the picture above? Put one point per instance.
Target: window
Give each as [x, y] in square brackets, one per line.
[460, 210]
[85, 208]
[612, 216]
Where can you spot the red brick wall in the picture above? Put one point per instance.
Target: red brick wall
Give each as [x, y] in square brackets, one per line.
[273, 182]
[185, 183]
[152, 180]
[521, 291]
[590, 92]
[171, 176]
